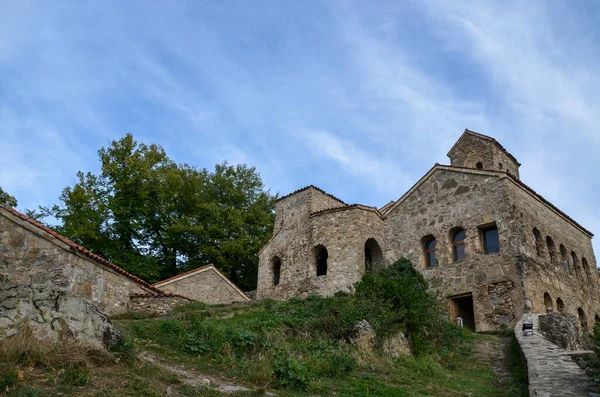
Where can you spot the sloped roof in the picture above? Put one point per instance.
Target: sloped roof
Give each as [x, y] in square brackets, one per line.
[78, 248]
[487, 138]
[489, 172]
[198, 271]
[310, 187]
[347, 207]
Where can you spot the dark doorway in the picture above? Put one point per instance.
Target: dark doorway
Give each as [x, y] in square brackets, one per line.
[373, 255]
[462, 306]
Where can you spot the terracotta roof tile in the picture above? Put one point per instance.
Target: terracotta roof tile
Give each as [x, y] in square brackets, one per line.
[82, 250]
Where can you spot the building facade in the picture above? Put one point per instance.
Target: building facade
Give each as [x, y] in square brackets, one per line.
[489, 246]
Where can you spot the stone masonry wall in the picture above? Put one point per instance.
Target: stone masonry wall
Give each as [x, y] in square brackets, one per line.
[156, 304]
[546, 274]
[28, 258]
[291, 236]
[206, 286]
[450, 199]
[472, 149]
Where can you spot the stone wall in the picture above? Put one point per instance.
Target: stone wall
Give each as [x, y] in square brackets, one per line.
[156, 304]
[468, 199]
[545, 274]
[472, 149]
[203, 285]
[291, 237]
[562, 329]
[29, 255]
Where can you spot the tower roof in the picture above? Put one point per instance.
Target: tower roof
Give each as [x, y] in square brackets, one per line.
[487, 138]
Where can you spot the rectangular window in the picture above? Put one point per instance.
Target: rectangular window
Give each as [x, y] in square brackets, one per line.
[489, 236]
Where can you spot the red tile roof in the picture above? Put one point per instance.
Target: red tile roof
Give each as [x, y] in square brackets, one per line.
[82, 250]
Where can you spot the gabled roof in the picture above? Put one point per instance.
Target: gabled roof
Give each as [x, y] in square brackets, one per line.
[310, 187]
[484, 137]
[78, 248]
[199, 270]
[347, 207]
[499, 174]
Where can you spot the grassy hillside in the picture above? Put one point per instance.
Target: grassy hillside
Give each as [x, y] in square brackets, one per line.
[294, 348]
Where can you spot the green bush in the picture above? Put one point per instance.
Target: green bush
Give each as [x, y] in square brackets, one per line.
[289, 372]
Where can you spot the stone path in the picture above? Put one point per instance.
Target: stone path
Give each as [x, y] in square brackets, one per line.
[552, 372]
[195, 379]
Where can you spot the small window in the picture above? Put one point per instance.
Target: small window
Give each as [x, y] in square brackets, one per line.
[551, 248]
[582, 318]
[479, 165]
[321, 259]
[586, 270]
[537, 241]
[276, 266]
[458, 245]
[500, 166]
[548, 304]
[560, 305]
[575, 263]
[489, 235]
[564, 259]
[429, 250]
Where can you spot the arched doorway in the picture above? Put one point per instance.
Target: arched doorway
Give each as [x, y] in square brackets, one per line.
[276, 268]
[321, 256]
[549, 305]
[373, 255]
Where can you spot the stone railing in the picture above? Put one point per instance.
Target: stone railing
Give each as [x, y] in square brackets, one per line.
[156, 304]
[550, 368]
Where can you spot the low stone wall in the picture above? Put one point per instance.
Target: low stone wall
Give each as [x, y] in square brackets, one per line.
[551, 370]
[562, 329]
[155, 304]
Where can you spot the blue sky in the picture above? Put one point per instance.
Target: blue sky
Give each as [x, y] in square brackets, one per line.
[359, 98]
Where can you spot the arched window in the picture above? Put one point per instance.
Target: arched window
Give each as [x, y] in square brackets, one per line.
[537, 240]
[458, 244]
[500, 166]
[575, 263]
[276, 267]
[586, 271]
[429, 251]
[489, 237]
[548, 303]
[564, 259]
[551, 248]
[560, 305]
[596, 318]
[321, 260]
[373, 255]
[582, 319]
[479, 165]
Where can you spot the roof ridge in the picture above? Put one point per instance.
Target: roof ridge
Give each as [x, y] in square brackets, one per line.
[177, 276]
[80, 248]
[348, 206]
[308, 187]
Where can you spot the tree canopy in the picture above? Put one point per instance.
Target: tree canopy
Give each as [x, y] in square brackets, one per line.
[7, 199]
[156, 218]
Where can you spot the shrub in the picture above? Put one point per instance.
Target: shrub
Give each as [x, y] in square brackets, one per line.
[289, 372]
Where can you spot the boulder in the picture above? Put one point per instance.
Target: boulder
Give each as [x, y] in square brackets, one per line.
[362, 335]
[51, 314]
[396, 346]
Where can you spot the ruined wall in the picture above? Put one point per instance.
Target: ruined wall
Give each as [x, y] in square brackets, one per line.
[545, 275]
[467, 199]
[472, 149]
[205, 286]
[28, 258]
[156, 304]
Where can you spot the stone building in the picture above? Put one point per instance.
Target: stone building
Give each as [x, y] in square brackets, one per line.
[31, 253]
[205, 284]
[489, 246]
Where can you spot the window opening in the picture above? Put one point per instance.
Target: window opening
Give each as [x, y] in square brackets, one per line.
[479, 165]
[458, 245]
[551, 248]
[429, 249]
[537, 240]
[563, 258]
[373, 255]
[276, 264]
[321, 258]
[560, 305]
[548, 303]
[490, 239]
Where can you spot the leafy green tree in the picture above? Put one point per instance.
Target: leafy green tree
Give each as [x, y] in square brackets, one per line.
[7, 199]
[156, 218]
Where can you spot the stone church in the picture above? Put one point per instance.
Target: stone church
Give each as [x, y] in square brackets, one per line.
[489, 245]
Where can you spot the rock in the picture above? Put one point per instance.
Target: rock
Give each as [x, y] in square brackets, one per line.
[51, 314]
[397, 346]
[362, 335]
